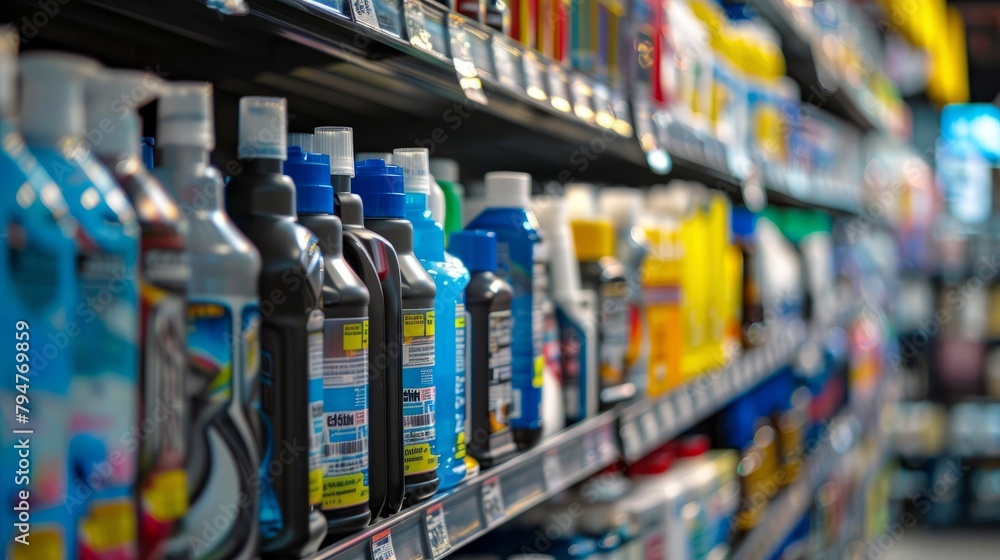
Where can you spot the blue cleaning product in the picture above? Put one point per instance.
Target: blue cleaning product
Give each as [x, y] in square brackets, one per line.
[112, 99]
[223, 335]
[104, 386]
[522, 262]
[450, 280]
[38, 276]
[345, 352]
[380, 187]
[261, 201]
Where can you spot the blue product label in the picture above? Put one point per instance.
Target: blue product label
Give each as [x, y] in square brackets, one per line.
[419, 394]
[251, 362]
[221, 348]
[103, 386]
[528, 279]
[345, 413]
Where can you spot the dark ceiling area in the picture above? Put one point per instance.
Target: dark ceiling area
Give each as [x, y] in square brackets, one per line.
[982, 20]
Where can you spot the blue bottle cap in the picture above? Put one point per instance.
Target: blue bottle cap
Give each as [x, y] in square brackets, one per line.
[477, 249]
[744, 222]
[311, 173]
[147, 151]
[380, 187]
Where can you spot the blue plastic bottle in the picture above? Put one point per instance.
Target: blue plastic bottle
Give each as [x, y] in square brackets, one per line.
[37, 276]
[450, 278]
[102, 328]
[521, 261]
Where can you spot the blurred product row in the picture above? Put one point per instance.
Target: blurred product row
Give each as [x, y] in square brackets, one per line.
[212, 368]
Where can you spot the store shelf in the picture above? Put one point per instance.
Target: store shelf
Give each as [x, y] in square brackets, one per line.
[847, 430]
[818, 80]
[476, 506]
[646, 425]
[333, 70]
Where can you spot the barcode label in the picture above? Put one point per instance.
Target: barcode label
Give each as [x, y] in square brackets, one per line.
[418, 420]
[345, 448]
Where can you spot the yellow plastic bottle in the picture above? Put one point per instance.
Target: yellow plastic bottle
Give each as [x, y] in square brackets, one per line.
[660, 278]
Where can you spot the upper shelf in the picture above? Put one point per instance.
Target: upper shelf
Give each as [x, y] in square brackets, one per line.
[820, 83]
[336, 71]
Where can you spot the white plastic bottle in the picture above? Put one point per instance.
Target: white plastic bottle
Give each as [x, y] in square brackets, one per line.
[576, 310]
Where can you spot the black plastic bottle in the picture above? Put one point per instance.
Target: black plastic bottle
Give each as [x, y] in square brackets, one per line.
[375, 261]
[602, 274]
[487, 303]
[345, 352]
[261, 201]
[380, 187]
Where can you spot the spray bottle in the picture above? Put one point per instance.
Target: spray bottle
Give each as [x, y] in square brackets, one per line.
[576, 312]
[38, 274]
[223, 323]
[375, 261]
[450, 280]
[112, 99]
[261, 201]
[104, 386]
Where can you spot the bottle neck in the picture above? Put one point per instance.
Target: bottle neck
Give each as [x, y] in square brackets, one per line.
[428, 236]
[193, 182]
[268, 196]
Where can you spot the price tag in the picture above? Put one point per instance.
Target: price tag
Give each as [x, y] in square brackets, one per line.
[552, 469]
[416, 26]
[604, 113]
[582, 98]
[685, 407]
[382, 546]
[631, 441]
[364, 13]
[668, 415]
[606, 445]
[389, 16]
[620, 109]
[493, 508]
[534, 72]
[437, 531]
[507, 58]
[559, 88]
[720, 383]
[650, 427]
[461, 54]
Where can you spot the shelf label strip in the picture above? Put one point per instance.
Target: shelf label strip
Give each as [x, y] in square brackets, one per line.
[465, 66]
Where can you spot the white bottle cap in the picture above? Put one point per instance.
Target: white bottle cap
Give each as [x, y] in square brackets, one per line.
[444, 169]
[416, 169]
[9, 40]
[263, 128]
[303, 140]
[185, 116]
[362, 156]
[112, 99]
[621, 205]
[507, 189]
[52, 95]
[580, 200]
[338, 143]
